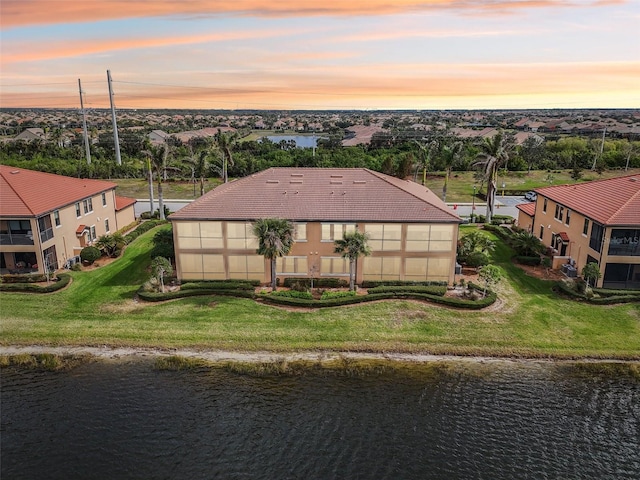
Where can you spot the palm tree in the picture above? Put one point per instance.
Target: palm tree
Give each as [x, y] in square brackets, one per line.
[450, 154]
[353, 245]
[494, 152]
[427, 149]
[225, 144]
[157, 157]
[199, 161]
[275, 239]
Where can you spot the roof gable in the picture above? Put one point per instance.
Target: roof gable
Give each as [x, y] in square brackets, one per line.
[320, 194]
[29, 193]
[614, 201]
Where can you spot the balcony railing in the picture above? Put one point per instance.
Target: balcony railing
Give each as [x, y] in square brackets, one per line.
[16, 239]
[46, 235]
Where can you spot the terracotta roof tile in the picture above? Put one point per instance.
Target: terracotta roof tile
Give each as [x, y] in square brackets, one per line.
[564, 236]
[614, 201]
[320, 194]
[124, 202]
[30, 193]
[528, 208]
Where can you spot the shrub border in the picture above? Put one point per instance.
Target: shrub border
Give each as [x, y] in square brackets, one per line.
[62, 280]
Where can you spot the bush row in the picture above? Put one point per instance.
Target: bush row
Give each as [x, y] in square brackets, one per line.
[142, 228]
[61, 281]
[161, 296]
[221, 285]
[31, 278]
[533, 261]
[430, 289]
[621, 296]
[290, 282]
[291, 294]
[388, 283]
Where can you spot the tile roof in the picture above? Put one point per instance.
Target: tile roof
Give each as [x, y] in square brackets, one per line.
[29, 193]
[528, 208]
[124, 202]
[320, 194]
[564, 236]
[614, 201]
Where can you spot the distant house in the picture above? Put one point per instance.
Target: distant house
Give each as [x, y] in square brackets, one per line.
[157, 137]
[31, 134]
[413, 234]
[46, 219]
[596, 221]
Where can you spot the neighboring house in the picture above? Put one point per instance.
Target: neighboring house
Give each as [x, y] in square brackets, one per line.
[158, 137]
[596, 221]
[31, 134]
[47, 219]
[413, 234]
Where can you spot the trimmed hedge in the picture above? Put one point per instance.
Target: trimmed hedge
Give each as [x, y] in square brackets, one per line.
[162, 296]
[625, 296]
[58, 283]
[387, 283]
[291, 294]
[431, 289]
[341, 294]
[220, 285]
[317, 282]
[533, 261]
[431, 293]
[142, 228]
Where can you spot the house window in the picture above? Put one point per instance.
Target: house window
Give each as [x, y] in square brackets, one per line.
[334, 266]
[335, 231]
[104, 199]
[541, 231]
[240, 236]
[92, 233]
[597, 232]
[292, 266]
[559, 212]
[78, 213]
[544, 206]
[568, 218]
[381, 268]
[384, 236]
[106, 225]
[585, 227]
[300, 232]
[429, 238]
[56, 217]
[88, 205]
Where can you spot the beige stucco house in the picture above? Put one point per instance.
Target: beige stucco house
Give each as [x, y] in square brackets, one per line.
[596, 221]
[47, 219]
[413, 234]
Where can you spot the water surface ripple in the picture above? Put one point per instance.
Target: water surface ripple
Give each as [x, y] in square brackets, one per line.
[123, 419]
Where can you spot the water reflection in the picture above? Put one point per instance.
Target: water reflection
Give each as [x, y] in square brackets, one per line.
[124, 419]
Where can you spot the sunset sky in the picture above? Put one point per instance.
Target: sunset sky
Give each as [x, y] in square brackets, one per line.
[313, 54]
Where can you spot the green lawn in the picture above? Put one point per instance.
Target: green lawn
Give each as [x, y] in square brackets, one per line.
[529, 320]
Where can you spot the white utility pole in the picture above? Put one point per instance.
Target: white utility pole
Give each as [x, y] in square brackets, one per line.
[84, 126]
[113, 119]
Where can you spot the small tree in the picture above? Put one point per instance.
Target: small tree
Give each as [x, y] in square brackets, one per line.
[353, 245]
[90, 254]
[591, 271]
[161, 267]
[111, 245]
[163, 244]
[490, 275]
[275, 239]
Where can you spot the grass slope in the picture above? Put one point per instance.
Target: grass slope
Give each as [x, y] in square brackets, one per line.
[98, 308]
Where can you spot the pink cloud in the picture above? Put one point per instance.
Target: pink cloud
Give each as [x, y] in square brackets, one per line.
[16, 13]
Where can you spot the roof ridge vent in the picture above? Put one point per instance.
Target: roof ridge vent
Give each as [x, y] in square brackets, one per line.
[273, 181]
[297, 174]
[359, 182]
[336, 176]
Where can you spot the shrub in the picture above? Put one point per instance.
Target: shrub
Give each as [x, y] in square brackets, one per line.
[432, 290]
[61, 281]
[76, 267]
[317, 282]
[527, 260]
[326, 295]
[142, 228]
[380, 283]
[90, 254]
[292, 294]
[477, 259]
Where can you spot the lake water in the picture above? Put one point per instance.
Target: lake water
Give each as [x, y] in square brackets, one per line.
[302, 141]
[116, 419]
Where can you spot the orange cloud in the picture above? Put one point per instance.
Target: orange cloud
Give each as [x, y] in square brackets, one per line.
[26, 52]
[374, 86]
[16, 13]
